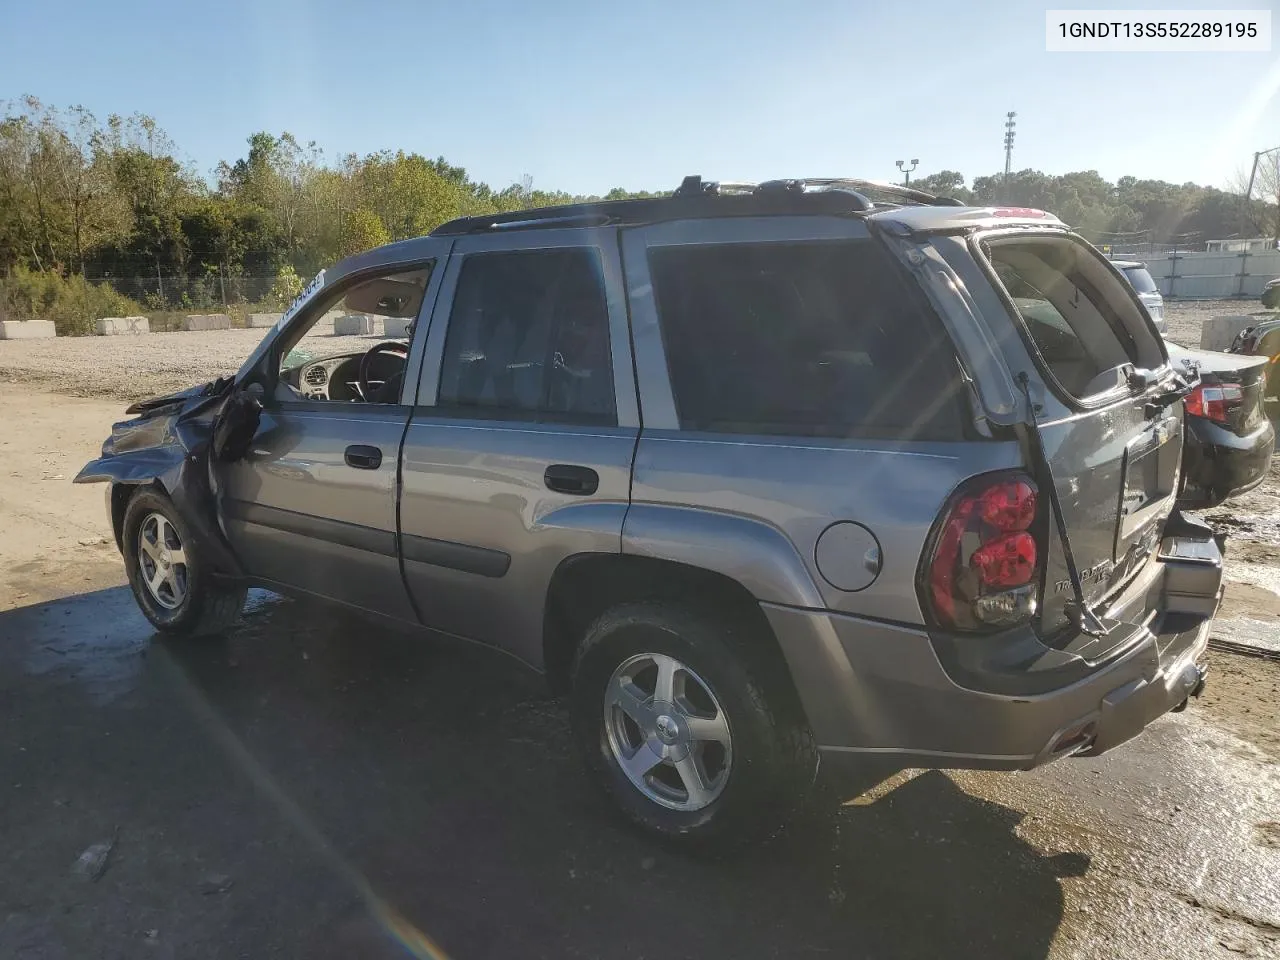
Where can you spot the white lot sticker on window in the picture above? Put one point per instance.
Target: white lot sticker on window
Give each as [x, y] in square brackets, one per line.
[307, 293]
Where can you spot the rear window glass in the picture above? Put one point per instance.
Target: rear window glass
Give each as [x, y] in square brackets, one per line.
[1141, 279]
[1071, 307]
[823, 339]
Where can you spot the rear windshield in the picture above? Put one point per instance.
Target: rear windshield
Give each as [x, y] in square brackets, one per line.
[1078, 313]
[821, 339]
[1141, 279]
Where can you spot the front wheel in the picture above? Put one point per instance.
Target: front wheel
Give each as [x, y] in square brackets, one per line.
[168, 572]
[678, 723]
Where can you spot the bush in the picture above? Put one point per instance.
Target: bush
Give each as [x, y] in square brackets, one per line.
[1271, 298]
[286, 286]
[72, 303]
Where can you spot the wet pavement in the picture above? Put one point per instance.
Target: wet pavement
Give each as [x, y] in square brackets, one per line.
[313, 785]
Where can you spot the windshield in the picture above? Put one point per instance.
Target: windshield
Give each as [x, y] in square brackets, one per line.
[1141, 279]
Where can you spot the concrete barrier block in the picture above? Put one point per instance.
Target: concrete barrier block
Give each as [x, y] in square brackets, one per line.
[119, 326]
[1216, 333]
[396, 328]
[262, 319]
[207, 321]
[26, 329]
[353, 325]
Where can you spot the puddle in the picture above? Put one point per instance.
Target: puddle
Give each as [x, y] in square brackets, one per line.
[96, 640]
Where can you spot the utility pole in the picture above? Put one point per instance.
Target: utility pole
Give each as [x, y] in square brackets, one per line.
[1273, 186]
[906, 171]
[1009, 124]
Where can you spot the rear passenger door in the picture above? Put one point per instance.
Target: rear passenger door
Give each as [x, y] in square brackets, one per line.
[519, 450]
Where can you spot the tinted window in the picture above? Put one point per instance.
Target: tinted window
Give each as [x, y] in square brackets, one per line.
[1070, 305]
[1141, 279]
[809, 339]
[529, 337]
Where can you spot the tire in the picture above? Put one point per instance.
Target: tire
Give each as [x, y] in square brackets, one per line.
[747, 787]
[189, 603]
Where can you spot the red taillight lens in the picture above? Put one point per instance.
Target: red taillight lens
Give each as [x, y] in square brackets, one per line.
[984, 567]
[1007, 562]
[1214, 403]
[1009, 506]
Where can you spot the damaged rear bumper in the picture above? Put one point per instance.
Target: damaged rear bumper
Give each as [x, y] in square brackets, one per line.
[1009, 701]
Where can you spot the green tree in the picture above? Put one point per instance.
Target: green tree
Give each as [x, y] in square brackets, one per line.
[363, 230]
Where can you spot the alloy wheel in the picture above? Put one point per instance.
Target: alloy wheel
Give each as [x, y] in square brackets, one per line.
[667, 732]
[162, 561]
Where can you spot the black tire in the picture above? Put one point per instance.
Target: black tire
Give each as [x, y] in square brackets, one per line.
[208, 606]
[774, 759]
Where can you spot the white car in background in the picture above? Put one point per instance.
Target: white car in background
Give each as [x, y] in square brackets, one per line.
[1140, 277]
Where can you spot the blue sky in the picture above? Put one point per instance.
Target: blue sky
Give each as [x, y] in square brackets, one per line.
[584, 96]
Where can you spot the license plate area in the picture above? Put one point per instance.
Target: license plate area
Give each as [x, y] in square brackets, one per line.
[1147, 482]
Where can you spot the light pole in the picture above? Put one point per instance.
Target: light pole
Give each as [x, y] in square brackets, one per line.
[906, 171]
[1009, 125]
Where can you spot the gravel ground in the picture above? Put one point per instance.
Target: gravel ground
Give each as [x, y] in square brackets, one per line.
[133, 368]
[1185, 316]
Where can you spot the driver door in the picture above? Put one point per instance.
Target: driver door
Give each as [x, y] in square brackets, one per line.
[312, 506]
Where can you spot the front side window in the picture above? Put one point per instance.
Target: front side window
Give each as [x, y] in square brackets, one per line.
[528, 338]
[356, 345]
[808, 339]
[1083, 322]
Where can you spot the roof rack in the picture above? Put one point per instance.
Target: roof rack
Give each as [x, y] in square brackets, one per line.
[696, 197]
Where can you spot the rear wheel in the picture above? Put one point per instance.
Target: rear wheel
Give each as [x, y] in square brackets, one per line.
[678, 725]
[168, 573]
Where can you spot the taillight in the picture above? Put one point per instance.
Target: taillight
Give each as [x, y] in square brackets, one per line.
[984, 569]
[1214, 403]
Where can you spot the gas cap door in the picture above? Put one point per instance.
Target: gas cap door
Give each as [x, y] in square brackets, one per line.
[848, 556]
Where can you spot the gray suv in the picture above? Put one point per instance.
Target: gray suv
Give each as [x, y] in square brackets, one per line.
[757, 475]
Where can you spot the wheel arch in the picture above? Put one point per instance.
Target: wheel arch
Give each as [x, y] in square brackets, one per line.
[585, 585]
[120, 494]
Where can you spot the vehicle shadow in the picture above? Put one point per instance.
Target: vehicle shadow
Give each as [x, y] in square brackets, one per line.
[435, 787]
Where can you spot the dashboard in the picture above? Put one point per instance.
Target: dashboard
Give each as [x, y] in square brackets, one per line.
[337, 378]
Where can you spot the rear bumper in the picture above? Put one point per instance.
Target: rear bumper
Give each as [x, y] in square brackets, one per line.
[1218, 464]
[879, 689]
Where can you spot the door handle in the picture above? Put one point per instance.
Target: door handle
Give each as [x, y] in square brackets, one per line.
[363, 457]
[570, 478]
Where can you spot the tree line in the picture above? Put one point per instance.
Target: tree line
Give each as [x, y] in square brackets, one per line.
[1130, 212]
[83, 200]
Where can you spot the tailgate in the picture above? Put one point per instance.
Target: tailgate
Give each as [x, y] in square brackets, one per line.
[1111, 434]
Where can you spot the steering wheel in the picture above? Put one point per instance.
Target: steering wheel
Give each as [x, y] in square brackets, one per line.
[387, 346]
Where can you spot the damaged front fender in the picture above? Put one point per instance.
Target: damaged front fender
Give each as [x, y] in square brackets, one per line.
[171, 442]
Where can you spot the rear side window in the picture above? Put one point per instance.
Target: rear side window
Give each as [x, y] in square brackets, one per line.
[815, 339]
[529, 339]
[1141, 279]
[1078, 313]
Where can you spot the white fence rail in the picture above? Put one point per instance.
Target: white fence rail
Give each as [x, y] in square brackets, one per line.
[1213, 276]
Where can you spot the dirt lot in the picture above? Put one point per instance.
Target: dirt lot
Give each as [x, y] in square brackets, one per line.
[310, 787]
[1185, 316]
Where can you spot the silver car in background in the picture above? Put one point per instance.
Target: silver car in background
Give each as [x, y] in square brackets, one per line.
[1140, 277]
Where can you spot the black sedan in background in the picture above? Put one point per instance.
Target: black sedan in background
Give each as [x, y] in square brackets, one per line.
[1263, 340]
[1229, 438]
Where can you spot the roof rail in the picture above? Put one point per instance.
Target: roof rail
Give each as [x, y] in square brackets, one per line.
[696, 197]
[695, 186]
